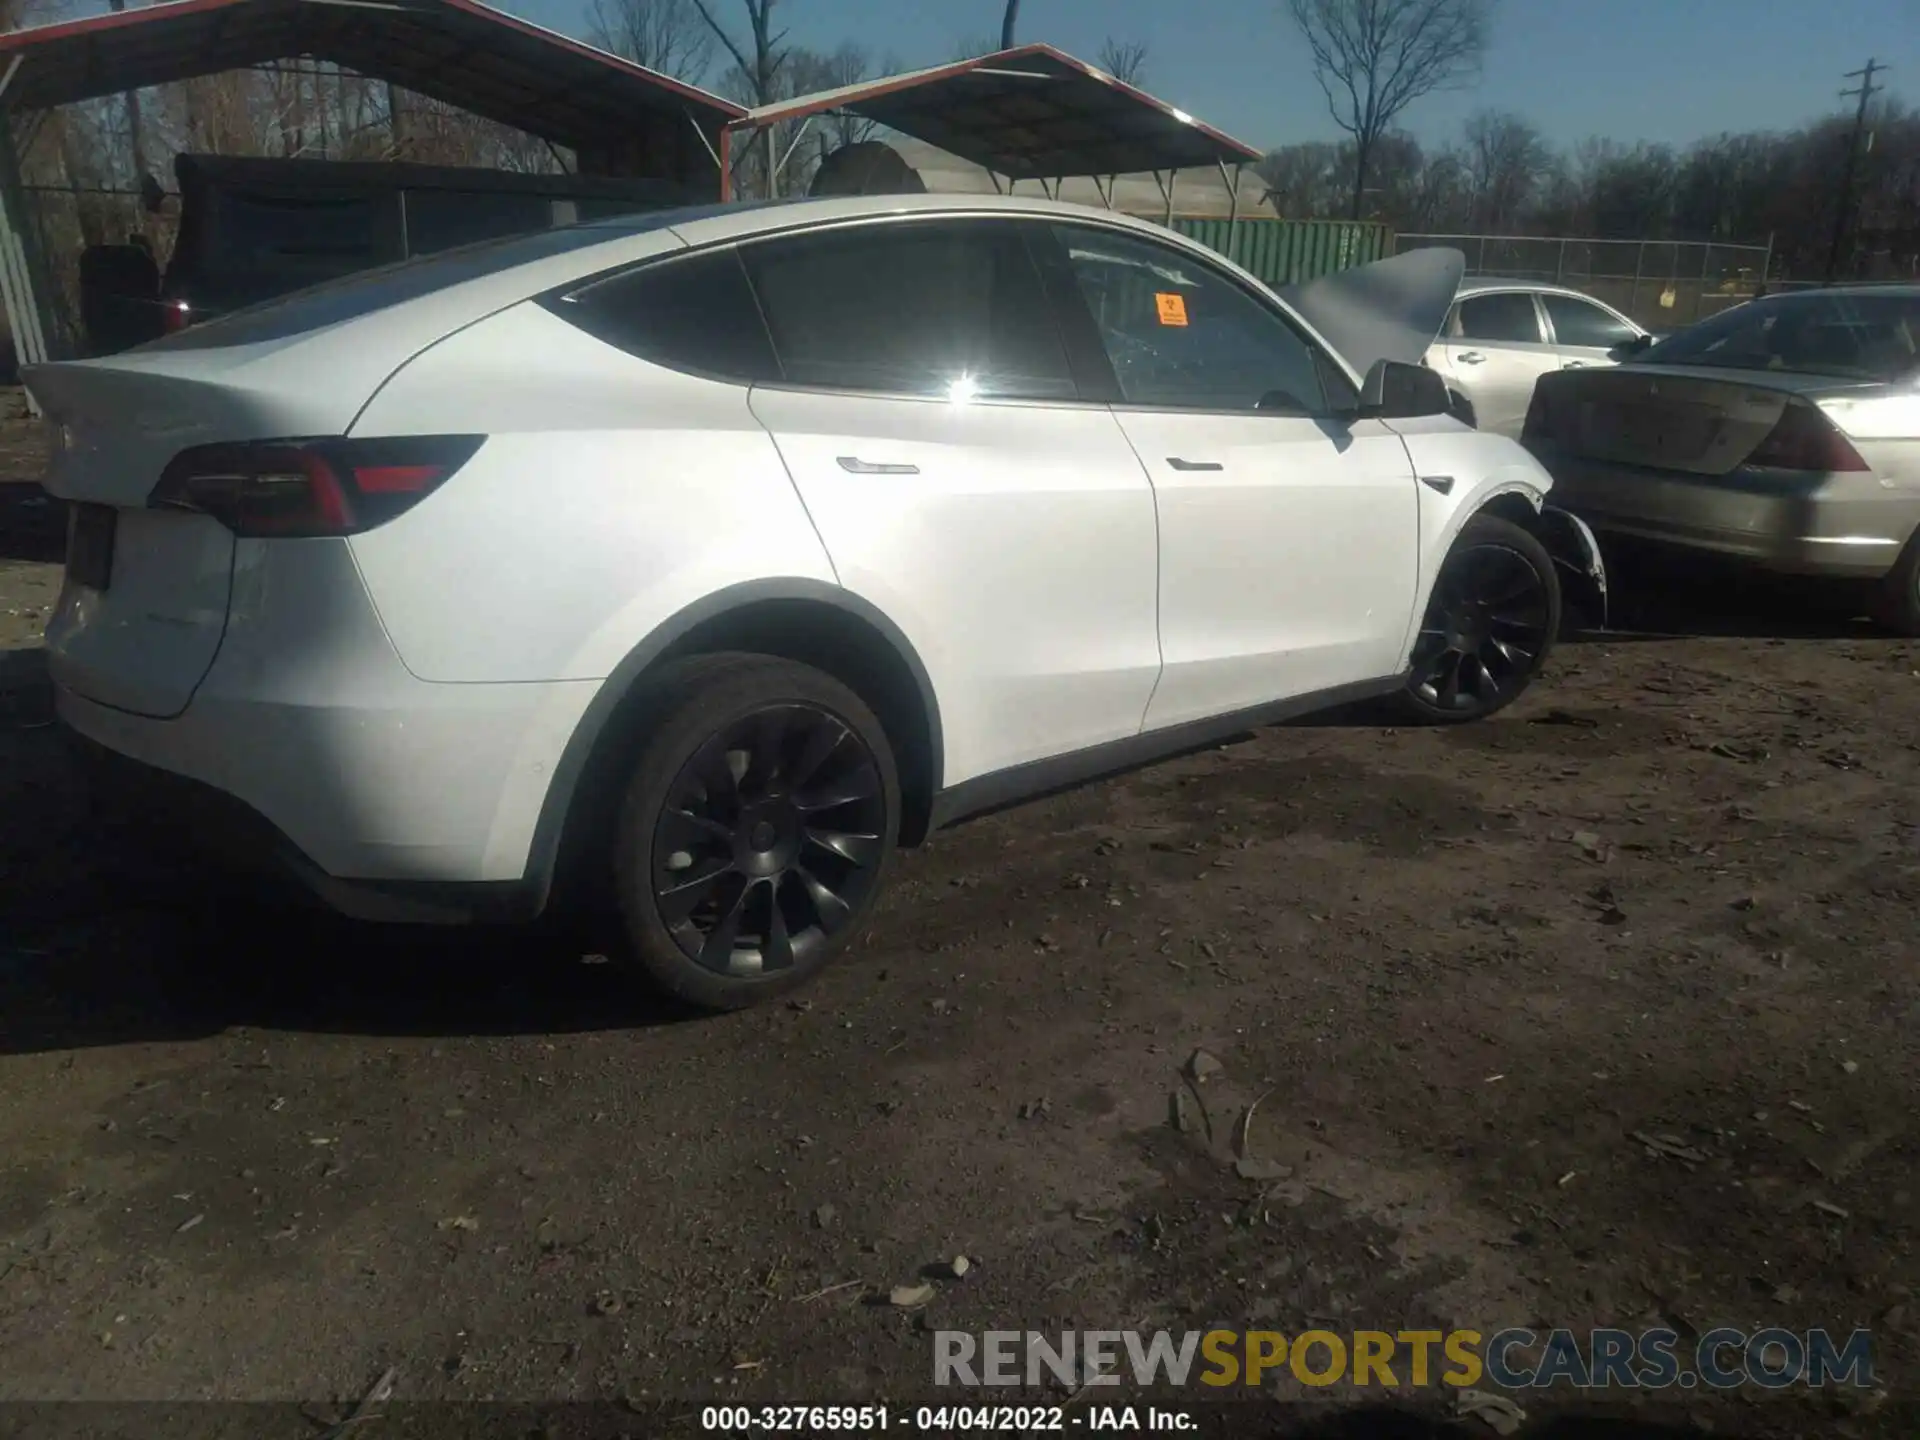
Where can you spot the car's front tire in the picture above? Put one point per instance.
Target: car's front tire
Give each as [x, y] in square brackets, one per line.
[1490, 621]
[762, 810]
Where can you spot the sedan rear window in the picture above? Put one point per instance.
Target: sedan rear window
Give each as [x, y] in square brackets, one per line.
[1849, 335]
[1505, 315]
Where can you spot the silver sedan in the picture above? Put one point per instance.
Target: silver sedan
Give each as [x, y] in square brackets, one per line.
[1785, 432]
[1502, 335]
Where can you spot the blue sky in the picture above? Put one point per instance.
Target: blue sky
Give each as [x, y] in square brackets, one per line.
[1667, 70]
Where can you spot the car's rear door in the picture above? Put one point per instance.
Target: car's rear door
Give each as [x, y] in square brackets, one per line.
[1289, 536]
[1584, 331]
[930, 420]
[1496, 348]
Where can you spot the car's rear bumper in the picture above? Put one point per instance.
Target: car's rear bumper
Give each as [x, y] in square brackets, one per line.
[175, 810]
[1841, 525]
[373, 778]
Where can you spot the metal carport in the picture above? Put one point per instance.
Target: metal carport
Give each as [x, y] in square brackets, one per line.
[1030, 113]
[618, 117]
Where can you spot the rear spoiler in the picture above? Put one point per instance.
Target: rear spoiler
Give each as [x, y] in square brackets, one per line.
[1390, 310]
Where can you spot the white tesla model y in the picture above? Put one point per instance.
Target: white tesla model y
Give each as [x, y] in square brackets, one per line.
[714, 553]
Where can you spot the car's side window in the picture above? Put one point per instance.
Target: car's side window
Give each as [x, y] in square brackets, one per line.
[1504, 315]
[914, 307]
[1182, 336]
[1576, 322]
[693, 313]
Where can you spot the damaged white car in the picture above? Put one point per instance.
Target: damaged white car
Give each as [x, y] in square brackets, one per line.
[706, 556]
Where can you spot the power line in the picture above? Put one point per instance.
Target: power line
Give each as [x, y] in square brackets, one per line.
[1866, 91]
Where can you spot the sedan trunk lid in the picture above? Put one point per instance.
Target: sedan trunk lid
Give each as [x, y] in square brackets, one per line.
[1689, 421]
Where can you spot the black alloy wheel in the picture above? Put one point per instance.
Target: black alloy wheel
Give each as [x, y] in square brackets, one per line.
[770, 840]
[757, 827]
[1490, 622]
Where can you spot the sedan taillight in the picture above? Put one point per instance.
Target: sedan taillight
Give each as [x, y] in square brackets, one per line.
[1804, 439]
[306, 488]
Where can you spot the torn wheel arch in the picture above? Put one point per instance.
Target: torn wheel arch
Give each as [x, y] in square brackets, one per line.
[1572, 545]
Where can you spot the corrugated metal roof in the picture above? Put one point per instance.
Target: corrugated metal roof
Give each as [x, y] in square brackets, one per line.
[1031, 113]
[461, 52]
[1198, 192]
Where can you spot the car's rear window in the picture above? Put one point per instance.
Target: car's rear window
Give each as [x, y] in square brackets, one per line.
[351, 296]
[1844, 334]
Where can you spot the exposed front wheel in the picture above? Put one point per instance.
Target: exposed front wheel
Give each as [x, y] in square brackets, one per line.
[1490, 621]
[756, 828]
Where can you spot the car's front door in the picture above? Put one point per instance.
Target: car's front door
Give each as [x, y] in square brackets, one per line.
[1495, 351]
[1585, 332]
[930, 421]
[1289, 537]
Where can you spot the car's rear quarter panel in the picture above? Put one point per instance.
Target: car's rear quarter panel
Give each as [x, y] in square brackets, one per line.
[610, 495]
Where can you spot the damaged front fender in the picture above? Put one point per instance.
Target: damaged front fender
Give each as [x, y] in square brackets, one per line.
[1583, 575]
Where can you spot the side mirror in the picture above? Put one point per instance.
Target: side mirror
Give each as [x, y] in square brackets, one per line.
[1627, 349]
[1394, 390]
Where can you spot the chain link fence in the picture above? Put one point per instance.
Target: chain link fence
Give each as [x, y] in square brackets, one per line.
[1663, 284]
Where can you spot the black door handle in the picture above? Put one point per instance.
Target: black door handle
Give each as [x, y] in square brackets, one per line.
[1178, 464]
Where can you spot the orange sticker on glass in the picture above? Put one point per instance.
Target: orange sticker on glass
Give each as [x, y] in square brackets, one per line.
[1173, 308]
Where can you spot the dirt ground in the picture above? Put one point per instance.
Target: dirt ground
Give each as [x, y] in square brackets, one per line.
[250, 1153]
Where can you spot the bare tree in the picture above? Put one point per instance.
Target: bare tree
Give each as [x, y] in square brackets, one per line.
[664, 35]
[1303, 180]
[1373, 58]
[809, 71]
[1506, 162]
[1125, 60]
[759, 65]
[761, 56]
[1007, 23]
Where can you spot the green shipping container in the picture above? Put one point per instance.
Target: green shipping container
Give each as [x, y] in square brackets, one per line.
[1285, 252]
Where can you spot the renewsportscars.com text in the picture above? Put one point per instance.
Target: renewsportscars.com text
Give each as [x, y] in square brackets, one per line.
[1513, 1359]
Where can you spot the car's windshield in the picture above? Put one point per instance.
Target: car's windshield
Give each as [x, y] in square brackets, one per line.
[1854, 335]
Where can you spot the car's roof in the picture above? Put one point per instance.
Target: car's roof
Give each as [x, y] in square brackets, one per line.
[360, 321]
[1480, 284]
[1899, 289]
[498, 271]
[725, 222]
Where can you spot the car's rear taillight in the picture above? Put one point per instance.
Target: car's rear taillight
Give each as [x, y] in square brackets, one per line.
[176, 316]
[1804, 439]
[292, 488]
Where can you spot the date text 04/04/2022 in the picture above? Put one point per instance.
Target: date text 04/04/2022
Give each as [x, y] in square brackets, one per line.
[940, 1419]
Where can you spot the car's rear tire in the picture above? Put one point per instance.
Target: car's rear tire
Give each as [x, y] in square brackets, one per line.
[1489, 625]
[760, 815]
[1899, 601]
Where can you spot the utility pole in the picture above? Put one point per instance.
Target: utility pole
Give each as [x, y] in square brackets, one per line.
[1843, 210]
[1007, 22]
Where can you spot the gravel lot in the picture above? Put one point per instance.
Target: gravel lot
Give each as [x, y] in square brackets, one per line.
[251, 1153]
